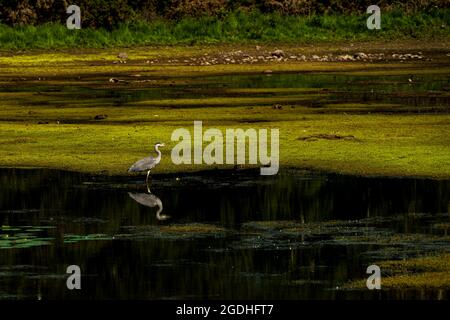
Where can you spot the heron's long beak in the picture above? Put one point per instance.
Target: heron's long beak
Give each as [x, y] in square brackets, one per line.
[162, 144]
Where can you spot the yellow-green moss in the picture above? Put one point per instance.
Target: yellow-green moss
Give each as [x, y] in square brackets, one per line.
[192, 228]
[431, 272]
[406, 145]
[170, 60]
[69, 137]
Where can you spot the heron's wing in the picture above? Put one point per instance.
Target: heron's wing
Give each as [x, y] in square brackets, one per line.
[143, 164]
[146, 199]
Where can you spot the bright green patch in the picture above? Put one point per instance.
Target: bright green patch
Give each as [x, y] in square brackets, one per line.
[22, 237]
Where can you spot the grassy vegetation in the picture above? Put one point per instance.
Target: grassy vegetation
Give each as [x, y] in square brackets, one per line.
[237, 27]
[425, 272]
[49, 102]
[385, 145]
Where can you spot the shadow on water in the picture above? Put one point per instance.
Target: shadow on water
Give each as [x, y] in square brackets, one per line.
[298, 235]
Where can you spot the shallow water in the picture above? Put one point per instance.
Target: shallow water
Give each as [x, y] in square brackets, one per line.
[219, 235]
[322, 92]
[299, 235]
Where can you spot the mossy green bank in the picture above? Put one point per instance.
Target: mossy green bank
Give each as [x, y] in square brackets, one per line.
[49, 103]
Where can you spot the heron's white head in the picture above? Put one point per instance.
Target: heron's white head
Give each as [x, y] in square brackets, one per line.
[159, 144]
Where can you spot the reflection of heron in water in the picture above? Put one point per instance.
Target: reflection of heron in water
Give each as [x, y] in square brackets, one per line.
[148, 163]
[149, 200]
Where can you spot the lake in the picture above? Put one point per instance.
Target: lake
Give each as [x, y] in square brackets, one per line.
[227, 235]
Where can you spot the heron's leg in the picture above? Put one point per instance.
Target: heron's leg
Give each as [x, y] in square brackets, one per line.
[146, 180]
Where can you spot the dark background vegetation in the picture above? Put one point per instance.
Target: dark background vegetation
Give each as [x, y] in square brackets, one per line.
[26, 24]
[109, 13]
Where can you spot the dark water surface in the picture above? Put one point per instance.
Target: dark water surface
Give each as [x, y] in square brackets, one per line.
[322, 92]
[218, 234]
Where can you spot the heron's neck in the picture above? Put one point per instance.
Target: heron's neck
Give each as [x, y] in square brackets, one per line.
[158, 213]
[158, 152]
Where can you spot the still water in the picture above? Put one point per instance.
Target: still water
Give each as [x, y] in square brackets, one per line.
[318, 92]
[213, 235]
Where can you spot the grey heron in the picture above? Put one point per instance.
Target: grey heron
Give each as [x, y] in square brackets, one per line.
[150, 200]
[148, 163]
